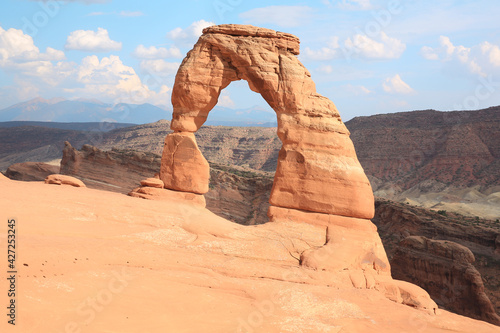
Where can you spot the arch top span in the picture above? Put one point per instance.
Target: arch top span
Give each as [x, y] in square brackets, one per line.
[317, 166]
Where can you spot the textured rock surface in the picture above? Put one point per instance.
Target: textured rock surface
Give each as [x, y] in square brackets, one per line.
[317, 165]
[445, 270]
[31, 171]
[58, 179]
[183, 167]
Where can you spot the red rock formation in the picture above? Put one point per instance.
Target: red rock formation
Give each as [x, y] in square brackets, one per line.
[118, 171]
[31, 171]
[318, 179]
[445, 270]
[317, 166]
[58, 179]
[183, 167]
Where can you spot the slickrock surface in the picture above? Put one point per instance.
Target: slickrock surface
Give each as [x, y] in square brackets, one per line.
[316, 143]
[445, 270]
[58, 179]
[31, 171]
[155, 193]
[104, 262]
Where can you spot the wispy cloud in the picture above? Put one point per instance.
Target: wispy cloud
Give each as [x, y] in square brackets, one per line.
[396, 85]
[359, 46]
[481, 59]
[190, 34]
[153, 52]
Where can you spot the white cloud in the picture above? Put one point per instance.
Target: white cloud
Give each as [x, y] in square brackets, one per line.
[357, 90]
[355, 4]
[359, 46]
[283, 16]
[109, 77]
[153, 52]
[18, 47]
[189, 34]
[110, 80]
[328, 69]
[20, 56]
[396, 85]
[481, 59]
[383, 48]
[429, 53]
[160, 67]
[92, 41]
[225, 100]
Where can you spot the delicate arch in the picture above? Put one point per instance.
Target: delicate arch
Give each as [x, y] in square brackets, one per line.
[317, 166]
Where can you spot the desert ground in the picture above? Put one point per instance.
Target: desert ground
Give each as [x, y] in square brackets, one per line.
[96, 261]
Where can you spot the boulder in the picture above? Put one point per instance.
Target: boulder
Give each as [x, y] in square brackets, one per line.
[31, 171]
[58, 179]
[152, 182]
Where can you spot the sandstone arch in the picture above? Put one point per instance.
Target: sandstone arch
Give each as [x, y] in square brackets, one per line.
[317, 169]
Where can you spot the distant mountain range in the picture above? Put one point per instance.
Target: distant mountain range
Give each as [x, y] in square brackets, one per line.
[99, 127]
[91, 110]
[444, 160]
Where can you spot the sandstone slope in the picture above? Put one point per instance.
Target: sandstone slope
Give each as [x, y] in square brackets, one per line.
[104, 262]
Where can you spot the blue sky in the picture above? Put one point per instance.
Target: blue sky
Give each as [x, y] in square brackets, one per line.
[367, 56]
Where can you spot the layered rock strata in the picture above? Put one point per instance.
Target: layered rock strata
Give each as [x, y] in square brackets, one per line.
[445, 269]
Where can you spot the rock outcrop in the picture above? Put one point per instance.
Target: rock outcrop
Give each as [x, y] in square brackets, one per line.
[115, 170]
[183, 167]
[31, 171]
[318, 179]
[317, 166]
[396, 222]
[58, 179]
[445, 269]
